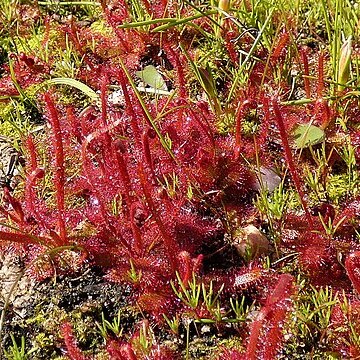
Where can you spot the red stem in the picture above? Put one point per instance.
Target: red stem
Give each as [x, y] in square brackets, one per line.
[239, 116]
[32, 175]
[21, 238]
[170, 245]
[135, 229]
[284, 39]
[290, 160]
[147, 152]
[103, 211]
[305, 61]
[124, 175]
[59, 167]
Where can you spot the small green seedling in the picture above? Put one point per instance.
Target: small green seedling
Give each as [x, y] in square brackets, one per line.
[132, 274]
[115, 326]
[173, 323]
[189, 296]
[146, 337]
[212, 302]
[18, 352]
[240, 310]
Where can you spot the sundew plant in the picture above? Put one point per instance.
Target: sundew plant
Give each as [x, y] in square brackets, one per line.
[202, 155]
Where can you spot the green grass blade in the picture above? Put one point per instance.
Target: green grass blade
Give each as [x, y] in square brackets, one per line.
[248, 57]
[148, 115]
[146, 22]
[176, 22]
[76, 84]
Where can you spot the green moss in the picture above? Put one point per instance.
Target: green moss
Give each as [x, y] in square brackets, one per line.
[6, 127]
[309, 328]
[18, 116]
[32, 44]
[101, 27]
[48, 320]
[338, 187]
[232, 343]
[199, 348]
[43, 340]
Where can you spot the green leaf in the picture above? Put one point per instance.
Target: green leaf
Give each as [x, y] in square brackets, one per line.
[307, 135]
[152, 77]
[76, 84]
[207, 80]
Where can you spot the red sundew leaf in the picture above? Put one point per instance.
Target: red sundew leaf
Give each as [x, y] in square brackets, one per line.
[59, 166]
[352, 265]
[229, 40]
[135, 226]
[16, 205]
[21, 238]
[239, 117]
[290, 160]
[120, 351]
[266, 329]
[156, 303]
[249, 278]
[280, 47]
[170, 245]
[73, 351]
[188, 266]
[147, 152]
[305, 60]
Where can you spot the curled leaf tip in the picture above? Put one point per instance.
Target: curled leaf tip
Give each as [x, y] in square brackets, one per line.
[344, 63]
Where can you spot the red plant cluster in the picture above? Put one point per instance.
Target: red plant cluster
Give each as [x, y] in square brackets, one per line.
[116, 349]
[266, 330]
[143, 188]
